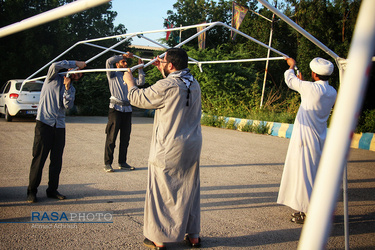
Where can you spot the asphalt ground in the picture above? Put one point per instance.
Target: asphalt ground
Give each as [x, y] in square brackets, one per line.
[240, 177]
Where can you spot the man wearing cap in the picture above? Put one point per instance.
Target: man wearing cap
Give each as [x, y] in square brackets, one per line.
[309, 133]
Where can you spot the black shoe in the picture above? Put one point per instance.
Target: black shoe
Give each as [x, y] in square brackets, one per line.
[298, 220]
[192, 245]
[298, 214]
[150, 244]
[56, 195]
[31, 198]
[125, 166]
[108, 168]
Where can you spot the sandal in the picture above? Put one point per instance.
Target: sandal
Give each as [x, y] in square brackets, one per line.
[298, 220]
[192, 245]
[298, 214]
[150, 244]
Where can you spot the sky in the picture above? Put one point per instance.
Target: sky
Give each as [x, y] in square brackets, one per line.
[142, 15]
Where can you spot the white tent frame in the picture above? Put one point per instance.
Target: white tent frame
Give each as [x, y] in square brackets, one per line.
[332, 165]
[126, 37]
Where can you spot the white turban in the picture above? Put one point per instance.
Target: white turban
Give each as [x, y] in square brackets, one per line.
[321, 66]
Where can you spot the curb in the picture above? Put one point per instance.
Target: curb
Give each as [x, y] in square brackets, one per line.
[364, 141]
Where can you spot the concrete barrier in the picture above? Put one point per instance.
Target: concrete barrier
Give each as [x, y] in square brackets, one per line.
[360, 141]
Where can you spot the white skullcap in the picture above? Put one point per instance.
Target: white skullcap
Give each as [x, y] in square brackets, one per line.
[321, 66]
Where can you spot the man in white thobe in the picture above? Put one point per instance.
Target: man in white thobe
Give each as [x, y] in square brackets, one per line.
[308, 136]
[172, 206]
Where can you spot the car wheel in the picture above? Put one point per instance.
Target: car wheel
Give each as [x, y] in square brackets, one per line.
[8, 117]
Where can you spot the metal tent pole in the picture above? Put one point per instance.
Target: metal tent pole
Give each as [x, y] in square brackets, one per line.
[48, 16]
[341, 65]
[349, 100]
[346, 212]
[268, 55]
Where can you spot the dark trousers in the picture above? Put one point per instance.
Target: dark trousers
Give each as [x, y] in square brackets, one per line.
[117, 121]
[47, 140]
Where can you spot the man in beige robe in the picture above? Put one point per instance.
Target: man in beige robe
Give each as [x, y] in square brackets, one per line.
[172, 206]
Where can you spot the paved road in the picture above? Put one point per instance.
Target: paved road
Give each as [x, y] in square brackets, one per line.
[240, 176]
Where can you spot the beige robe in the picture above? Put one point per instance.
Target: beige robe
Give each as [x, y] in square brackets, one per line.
[306, 142]
[172, 206]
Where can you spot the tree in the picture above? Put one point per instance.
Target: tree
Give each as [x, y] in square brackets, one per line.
[331, 22]
[190, 12]
[227, 89]
[25, 52]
